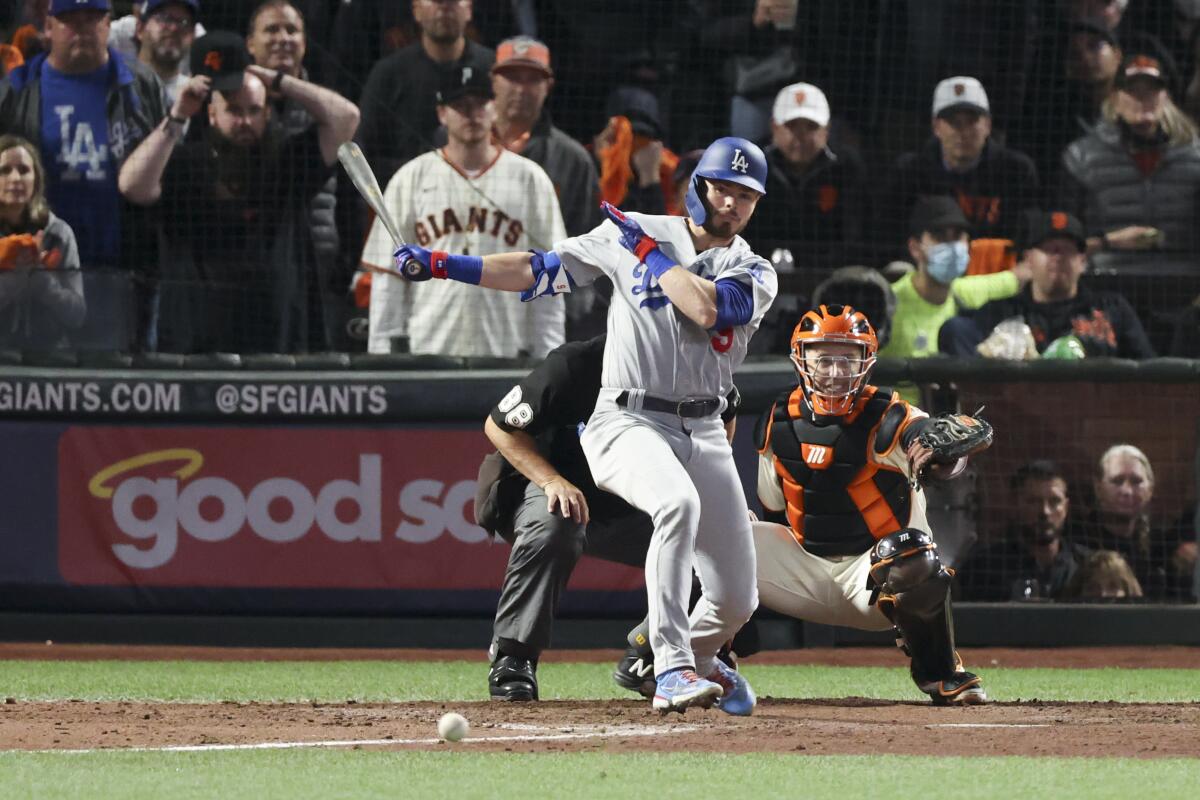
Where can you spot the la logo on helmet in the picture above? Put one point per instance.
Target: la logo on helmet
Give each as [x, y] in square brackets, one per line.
[739, 162]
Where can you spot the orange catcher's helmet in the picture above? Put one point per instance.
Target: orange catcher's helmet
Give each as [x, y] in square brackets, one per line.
[833, 377]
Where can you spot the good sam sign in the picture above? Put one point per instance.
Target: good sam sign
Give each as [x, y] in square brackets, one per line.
[304, 508]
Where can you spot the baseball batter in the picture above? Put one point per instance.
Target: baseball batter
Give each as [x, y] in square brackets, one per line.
[688, 293]
[471, 196]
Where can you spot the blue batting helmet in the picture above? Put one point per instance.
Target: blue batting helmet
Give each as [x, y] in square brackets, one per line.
[727, 159]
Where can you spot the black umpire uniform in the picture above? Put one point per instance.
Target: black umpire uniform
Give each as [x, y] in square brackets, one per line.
[551, 405]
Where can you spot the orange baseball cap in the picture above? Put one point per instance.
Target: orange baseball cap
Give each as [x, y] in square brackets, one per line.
[523, 51]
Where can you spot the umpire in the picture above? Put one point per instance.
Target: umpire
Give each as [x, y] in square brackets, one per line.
[537, 493]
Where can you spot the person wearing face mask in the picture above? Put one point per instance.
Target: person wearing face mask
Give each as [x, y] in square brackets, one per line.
[1054, 304]
[936, 290]
[1036, 559]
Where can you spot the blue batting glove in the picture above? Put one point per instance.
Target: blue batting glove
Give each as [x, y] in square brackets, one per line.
[635, 240]
[413, 262]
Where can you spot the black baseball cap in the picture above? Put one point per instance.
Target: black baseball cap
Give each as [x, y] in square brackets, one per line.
[1144, 66]
[222, 56]
[640, 106]
[935, 213]
[463, 81]
[1041, 226]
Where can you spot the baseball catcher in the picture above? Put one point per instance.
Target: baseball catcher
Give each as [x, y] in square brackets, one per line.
[843, 462]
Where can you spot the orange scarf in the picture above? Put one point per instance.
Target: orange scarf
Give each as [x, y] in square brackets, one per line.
[10, 58]
[23, 248]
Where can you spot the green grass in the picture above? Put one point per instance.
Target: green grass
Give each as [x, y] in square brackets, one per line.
[460, 775]
[369, 774]
[380, 681]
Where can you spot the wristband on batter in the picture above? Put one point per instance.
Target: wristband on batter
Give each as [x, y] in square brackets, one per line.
[650, 254]
[464, 269]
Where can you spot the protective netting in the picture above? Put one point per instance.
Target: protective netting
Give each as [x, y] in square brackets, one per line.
[1059, 136]
[249, 239]
[1075, 469]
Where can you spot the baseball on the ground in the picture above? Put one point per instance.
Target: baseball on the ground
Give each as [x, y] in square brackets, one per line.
[453, 727]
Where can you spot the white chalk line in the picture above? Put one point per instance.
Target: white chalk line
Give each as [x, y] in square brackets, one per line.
[986, 725]
[615, 732]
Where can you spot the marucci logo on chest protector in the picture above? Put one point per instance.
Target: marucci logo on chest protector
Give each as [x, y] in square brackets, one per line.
[816, 456]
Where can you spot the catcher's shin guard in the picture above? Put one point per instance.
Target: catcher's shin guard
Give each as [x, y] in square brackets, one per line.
[913, 591]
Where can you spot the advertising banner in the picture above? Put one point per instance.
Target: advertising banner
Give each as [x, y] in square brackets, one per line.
[300, 508]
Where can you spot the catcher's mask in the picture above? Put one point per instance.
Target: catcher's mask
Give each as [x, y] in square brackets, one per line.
[833, 382]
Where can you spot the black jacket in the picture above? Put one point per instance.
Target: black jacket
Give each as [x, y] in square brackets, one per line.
[992, 195]
[1104, 322]
[1001, 571]
[818, 214]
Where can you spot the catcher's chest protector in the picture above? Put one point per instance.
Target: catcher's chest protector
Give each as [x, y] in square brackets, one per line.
[838, 501]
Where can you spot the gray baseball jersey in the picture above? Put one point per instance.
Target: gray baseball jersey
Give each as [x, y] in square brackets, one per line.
[679, 471]
[651, 345]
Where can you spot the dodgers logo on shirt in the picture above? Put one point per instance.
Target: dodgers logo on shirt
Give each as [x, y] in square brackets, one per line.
[655, 297]
[79, 148]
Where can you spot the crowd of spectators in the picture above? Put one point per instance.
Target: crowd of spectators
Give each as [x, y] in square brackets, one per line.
[1109, 547]
[1078, 107]
[957, 168]
[963, 171]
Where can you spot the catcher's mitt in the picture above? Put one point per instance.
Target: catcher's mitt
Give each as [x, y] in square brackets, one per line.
[953, 436]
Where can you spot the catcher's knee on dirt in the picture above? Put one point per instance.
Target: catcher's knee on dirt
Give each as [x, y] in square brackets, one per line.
[913, 590]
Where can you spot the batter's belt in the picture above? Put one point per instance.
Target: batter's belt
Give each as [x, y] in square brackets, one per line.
[690, 407]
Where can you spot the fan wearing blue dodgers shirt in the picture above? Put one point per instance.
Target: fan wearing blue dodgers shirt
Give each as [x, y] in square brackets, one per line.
[688, 293]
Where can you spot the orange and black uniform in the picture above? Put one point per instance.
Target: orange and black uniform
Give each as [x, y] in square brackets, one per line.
[845, 480]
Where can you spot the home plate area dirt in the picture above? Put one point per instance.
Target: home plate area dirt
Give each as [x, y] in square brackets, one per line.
[810, 727]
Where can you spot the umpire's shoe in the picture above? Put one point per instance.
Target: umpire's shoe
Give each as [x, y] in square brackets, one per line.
[513, 678]
[680, 689]
[737, 697]
[962, 689]
[635, 672]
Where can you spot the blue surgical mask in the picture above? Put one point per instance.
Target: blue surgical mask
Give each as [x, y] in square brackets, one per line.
[948, 261]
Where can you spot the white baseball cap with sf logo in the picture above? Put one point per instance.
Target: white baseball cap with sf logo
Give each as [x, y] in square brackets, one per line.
[960, 92]
[801, 101]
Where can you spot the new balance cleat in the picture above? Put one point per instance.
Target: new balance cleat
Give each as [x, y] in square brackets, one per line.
[737, 697]
[963, 689]
[680, 689]
[636, 673]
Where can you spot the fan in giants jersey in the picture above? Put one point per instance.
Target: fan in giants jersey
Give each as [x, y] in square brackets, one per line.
[470, 196]
[688, 293]
[842, 460]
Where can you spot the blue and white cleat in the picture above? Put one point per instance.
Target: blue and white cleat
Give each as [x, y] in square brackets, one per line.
[679, 689]
[737, 698]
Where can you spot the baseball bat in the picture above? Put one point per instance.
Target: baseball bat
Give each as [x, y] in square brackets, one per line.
[363, 178]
